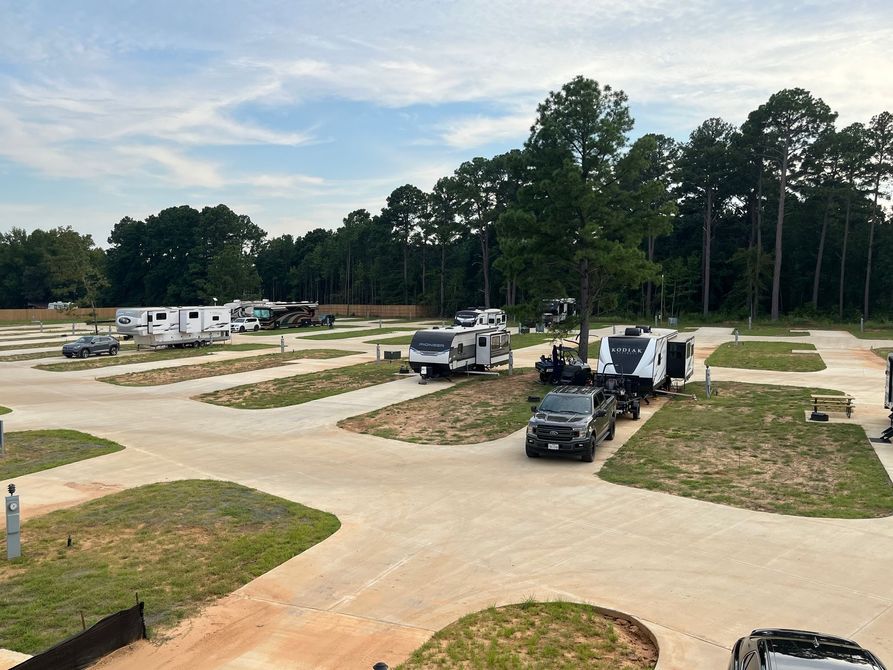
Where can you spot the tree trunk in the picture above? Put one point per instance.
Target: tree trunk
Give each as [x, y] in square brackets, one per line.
[585, 309]
[485, 265]
[818, 260]
[874, 215]
[707, 234]
[649, 287]
[442, 271]
[776, 271]
[405, 274]
[846, 233]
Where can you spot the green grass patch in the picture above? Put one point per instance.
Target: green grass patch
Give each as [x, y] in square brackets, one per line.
[35, 450]
[302, 388]
[372, 332]
[217, 368]
[491, 407]
[290, 331]
[248, 346]
[402, 340]
[519, 341]
[532, 635]
[883, 352]
[179, 545]
[751, 447]
[766, 356]
[11, 358]
[4, 410]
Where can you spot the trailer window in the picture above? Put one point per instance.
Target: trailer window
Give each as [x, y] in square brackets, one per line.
[193, 315]
[459, 348]
[149, 318]
[482, 341]
[161, 316]
[215, 318]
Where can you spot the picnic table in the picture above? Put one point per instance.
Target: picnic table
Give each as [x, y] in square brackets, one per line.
[836, 403]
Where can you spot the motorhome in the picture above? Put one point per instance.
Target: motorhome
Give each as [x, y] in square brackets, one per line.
[174, 326]
[272, 315]
[437, 352]
[558, 310]
[652, 357]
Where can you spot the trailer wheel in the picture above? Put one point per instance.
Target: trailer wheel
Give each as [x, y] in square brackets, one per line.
[636, 410]
[589, 455]
[610, 435]
[530, 452]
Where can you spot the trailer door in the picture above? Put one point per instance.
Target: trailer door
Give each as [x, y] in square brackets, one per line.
[482, 352]
[888, 392]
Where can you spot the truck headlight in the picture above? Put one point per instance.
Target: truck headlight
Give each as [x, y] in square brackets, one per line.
[530, 429]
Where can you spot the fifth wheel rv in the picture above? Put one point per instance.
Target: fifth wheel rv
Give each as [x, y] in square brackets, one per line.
[437, 352]
[174, 326]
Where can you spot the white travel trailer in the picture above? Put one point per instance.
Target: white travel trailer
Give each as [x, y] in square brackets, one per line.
[438, 352]
[649, 357]
[174, 326]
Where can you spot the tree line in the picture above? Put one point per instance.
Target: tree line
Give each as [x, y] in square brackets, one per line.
[781, 215]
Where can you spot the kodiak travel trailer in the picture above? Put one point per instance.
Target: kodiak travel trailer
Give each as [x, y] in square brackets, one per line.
[272, 315]
[642, 361]
[174, 326]
[437, 352]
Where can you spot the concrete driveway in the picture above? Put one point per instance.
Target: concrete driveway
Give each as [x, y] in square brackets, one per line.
[433, 532]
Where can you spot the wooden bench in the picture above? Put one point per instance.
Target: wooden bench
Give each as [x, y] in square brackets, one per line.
[838, 403]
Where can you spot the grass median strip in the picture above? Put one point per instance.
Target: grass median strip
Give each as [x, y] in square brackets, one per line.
[4, 410]
[776, 356]
[553, 635]
[751, 447]
[179, 545]
[883, 353]
[519, 341]
[373, 332]
[36, 450]
[146, 357]
[302, 388]
[492, 407]
[229, 367]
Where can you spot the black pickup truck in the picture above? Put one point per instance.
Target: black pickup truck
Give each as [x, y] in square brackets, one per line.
[571, 420]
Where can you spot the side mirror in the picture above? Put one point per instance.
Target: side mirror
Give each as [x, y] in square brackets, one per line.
[601, 412]
[533, 409]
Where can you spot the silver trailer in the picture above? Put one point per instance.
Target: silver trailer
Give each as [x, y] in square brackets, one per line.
[174, 326]
[438, 352]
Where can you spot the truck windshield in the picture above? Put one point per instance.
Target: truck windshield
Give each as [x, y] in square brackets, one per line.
[566, 404]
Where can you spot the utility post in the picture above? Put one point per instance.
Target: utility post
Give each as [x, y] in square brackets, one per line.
[2, 442]
[736, 333]
[662, 297]
[707, 381]
[13, 525]
[282, 344]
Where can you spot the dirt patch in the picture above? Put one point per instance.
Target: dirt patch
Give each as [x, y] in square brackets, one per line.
[218, 368]
[469, 411]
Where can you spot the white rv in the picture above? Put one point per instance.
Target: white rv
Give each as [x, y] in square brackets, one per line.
[174, 326]
[437, 352]
[558, 310]
[649, 357]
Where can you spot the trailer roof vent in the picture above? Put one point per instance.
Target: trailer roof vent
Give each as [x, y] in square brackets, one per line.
[633, 331]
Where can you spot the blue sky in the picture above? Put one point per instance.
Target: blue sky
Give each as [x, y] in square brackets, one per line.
[296, 113]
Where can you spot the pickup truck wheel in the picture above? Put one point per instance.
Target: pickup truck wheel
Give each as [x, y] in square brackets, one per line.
[636, 411]
[84, 353]
[531, 453]
[589, 455]
[610, 435]
[113, 351]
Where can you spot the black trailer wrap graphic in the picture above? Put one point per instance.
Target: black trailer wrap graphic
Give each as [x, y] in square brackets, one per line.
[432, 341]
[626, 354]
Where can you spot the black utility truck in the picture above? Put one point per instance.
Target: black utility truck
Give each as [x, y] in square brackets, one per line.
[571, 420]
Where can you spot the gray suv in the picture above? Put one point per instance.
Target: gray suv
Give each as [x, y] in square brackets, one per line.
[91, 344]
[783, 649]
[571, 420]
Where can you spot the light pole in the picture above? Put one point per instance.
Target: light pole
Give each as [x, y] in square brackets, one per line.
[661, 297]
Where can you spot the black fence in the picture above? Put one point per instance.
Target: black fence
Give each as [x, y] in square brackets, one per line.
[82, 650]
